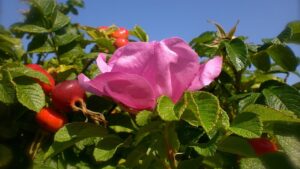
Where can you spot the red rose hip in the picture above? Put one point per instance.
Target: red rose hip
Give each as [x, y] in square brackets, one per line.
[66, 94]
[120, 33]
[262, 146]
[121, 42]
[46, 87]
[50, 120]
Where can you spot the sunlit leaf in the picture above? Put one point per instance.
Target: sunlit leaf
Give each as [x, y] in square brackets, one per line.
[283, 56]
[268, 114]
[106, 148]
[165, 108]
[291, 33]
[283, 98]
[30, 94]
[237, 53]
[7, 89]
[247, 125]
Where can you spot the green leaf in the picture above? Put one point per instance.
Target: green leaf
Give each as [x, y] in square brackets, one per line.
[140, 34]
[251, 99]
[18, 70]
[61, 20]
[207, 149]
[202, 44]
[250, 163]
[143, 132]
[65, 39]
[79, 130]
[291, 146]
[291, 33]
[247, 125]
[94, 33]
[188, 134]
[30, 29]
[203, 38]
[7, 88]
[236, 145]
[143, 117]
[267, 114]
[40, 44]
[283, 98]
[208, 109]
[12, 46]
[106, 148]
[122, 122]
[46, 7]
[223, 120]
[237, 53]
[72, 133]
[200, 109]
[283, 128]
[106, 44]
[261, 60]
[283, 56]
[190, 112]
[165, 108]
[30, 94]
[69, 53]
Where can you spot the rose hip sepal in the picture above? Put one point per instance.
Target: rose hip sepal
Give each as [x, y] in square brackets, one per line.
[262, 146]
[50, 120]
[46, 87]
[66, 94]
[139, 73]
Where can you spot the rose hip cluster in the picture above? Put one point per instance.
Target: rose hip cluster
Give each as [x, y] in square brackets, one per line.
[120, 36]
[64, 96]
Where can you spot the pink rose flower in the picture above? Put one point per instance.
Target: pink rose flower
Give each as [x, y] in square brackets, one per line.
[139, 73]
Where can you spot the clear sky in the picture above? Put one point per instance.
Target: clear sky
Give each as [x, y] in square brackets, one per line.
[184, 18]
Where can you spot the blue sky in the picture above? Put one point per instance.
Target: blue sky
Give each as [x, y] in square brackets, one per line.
[187, 19]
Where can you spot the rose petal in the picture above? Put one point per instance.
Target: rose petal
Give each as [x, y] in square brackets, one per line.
[101, 63]
[85, 83]
[131, 90]
[207, 73]
[169, 66]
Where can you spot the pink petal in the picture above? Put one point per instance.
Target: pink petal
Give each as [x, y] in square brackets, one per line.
[207, 73]
[101, 63]
[85, 83]
[169, 66]
[131, 90]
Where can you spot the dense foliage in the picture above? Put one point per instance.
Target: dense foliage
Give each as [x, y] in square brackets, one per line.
[248, 117]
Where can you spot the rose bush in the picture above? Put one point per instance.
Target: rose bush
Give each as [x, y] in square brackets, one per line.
[218, 101]
[139, 73]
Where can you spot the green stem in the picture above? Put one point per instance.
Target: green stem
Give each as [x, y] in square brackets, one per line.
[171, 152]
